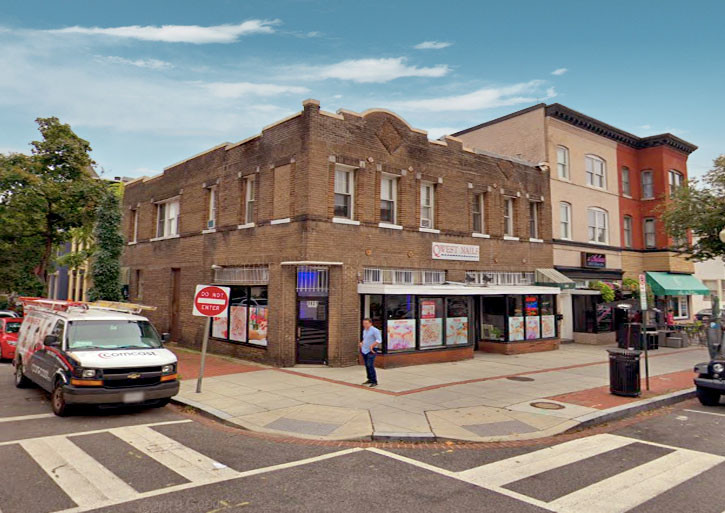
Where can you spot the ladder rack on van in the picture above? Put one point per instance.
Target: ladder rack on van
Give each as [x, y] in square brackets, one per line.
[60, 305]
[120, 307]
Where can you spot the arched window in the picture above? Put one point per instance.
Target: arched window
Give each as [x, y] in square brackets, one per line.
[598, 224]
[562, 162]
[596, 170]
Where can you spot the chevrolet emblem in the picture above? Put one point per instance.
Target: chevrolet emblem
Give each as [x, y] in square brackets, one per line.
[135, 375]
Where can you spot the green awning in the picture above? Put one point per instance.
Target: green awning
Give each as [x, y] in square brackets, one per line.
[671, 284]
[553, 278]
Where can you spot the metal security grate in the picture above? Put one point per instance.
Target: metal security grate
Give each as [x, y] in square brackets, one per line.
[500, 278]
[312, 280]
[246, 275]
[403, 276]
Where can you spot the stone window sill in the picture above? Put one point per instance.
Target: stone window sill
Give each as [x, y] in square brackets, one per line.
[390, 226]
[428, 230]
[281, 221]
[345, 220]
[166, 237]
[245, 226]
[509, 237]
[480, 235]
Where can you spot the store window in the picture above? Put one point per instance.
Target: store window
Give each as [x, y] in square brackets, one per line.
[548, 316]
[247, 317]
[400, 321]
[679, 306]
[477, 210]
[508, 217]
[427, 205]
[344, 192]
[591, 315]
[562, 161]
[565, 220]
[515, 311]
[648, 191]
[596, 171]
[430, 322]
[373, 309]
[493, 318]
[457, 320]
[627, 229]
[626, 185]
[388, 198]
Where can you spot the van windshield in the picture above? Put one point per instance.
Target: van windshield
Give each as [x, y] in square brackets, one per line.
[112, 335]
[12, 327]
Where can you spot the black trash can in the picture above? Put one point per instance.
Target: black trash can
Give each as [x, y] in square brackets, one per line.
[624, 372]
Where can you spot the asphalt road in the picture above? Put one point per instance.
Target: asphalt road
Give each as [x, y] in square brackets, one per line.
[165, 460]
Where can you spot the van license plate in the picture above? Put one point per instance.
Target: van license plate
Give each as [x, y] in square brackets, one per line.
[133, 397]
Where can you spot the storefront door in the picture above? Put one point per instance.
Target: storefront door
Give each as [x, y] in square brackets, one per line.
[312, 330]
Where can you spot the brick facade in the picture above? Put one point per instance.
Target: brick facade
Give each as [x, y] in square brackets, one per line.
[293, 163]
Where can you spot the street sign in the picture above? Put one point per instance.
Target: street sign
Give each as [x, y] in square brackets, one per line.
[643, 292]
[211, 301]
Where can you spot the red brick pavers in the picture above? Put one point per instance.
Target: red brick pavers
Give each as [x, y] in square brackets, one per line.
[189, 363]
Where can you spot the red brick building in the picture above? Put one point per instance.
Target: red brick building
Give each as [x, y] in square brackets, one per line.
[324, 218]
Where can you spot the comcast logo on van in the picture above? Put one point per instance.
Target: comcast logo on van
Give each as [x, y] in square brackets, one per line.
[117, 354]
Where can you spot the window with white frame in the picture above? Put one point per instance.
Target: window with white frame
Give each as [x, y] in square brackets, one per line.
[676, 181]
[598, 224]
[508, 217]
[626, 185]
[249, 198]
[211, 219]
[388, 199]
[565, 220]
[344, 192]
[562, 161]
[648, 191]
[627, 231]
[427, 205]
[533, 220]
[596, 171]
[650, 236]
[134, 225]
[680, 307]
[167, 218]
[477, 212]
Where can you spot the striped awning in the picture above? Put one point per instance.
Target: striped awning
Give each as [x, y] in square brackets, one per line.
[552, 277]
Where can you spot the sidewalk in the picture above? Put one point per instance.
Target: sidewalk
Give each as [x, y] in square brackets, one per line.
[489, 398]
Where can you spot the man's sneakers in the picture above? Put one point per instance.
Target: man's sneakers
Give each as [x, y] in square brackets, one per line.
[367, 382]
[373, 385]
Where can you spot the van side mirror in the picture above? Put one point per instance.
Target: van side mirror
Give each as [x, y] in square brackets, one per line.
[165, 337]
[50, 340]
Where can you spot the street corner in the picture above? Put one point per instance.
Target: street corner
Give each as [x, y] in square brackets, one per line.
[487, 424]
[310, 421]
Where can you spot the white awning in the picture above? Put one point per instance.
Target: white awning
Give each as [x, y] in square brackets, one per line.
[453, 289]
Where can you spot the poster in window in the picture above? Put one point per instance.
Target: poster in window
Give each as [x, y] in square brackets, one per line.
[219, 327]
[533, 330]
[258, 325]
[238, 323]
[516, 328]
[427, 309]
[401, 334]
[532, 305]
[548, 326]
[431, 332]
[456, 330]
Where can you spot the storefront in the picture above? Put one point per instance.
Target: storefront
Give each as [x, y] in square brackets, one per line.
[672, 292]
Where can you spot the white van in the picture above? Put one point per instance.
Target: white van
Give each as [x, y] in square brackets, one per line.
[85, 353]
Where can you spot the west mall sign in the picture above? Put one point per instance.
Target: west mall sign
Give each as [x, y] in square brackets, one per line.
[444, 251]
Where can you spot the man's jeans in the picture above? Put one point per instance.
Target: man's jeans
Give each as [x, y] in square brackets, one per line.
[370, 367]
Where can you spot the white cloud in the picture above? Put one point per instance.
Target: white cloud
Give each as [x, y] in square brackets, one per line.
[559, 71]
[432, 45]
[240, 89]
[365, 71]
[178, 33]
[484, 98]
[439, 131]
[139, 63]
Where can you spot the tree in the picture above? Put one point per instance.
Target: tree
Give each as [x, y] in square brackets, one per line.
[43, 196]
[699, 207]
[105, 262]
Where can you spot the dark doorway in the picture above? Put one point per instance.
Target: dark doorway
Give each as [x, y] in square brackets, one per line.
[312, 330]
[175, 327]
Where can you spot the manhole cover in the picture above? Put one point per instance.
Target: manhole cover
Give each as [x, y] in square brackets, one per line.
[547, 406]
[520, 378]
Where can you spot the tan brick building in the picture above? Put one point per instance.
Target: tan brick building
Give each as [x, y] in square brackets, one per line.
[324, 218]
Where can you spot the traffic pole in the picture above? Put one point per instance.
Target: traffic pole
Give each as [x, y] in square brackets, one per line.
[204, 343]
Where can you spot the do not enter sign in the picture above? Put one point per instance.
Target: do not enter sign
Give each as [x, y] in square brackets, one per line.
[211, 301]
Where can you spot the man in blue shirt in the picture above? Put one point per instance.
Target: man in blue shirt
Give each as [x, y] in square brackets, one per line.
[371, 338]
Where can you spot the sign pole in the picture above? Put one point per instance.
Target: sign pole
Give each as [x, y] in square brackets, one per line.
[204, 344]
[643, 306]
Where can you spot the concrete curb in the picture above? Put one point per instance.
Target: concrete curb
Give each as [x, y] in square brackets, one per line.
[626, 410]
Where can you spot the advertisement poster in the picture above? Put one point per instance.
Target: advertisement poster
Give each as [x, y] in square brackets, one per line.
[238, 323]
[427, 309]
[431, 332]
[532, 328]
[548, 326]
[401, 334]
[258, 325]
[456, 330]
[532, 305]
[516, 328]
[219, 327]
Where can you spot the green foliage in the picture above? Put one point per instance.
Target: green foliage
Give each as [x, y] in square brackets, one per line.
[105, 264]
[700, 207]
[43, 198]
[630, 284]
[606, 291]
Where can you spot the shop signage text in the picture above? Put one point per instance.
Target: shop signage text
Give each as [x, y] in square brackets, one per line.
[594, 260]
[445, 251]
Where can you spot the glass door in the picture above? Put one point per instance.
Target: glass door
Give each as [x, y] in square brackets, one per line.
[312, 330]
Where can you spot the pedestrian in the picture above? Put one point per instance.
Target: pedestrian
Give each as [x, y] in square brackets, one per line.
[371, 338]
[670, 318]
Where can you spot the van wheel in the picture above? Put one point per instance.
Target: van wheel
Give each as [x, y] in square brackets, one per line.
[57, 400]
[708, 396]
[20, 380]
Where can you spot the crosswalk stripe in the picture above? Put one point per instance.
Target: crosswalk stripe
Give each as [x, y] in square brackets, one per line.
[82, 478]
[638, 485]
[507, 471]
[27, 417]
[186, 462]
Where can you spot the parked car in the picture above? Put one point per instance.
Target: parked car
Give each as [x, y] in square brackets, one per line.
[9, 328]
[710, 381]
[8, 313]
[706, 314]
[85, 354]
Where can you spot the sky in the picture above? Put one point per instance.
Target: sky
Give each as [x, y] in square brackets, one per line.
[152, 82]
